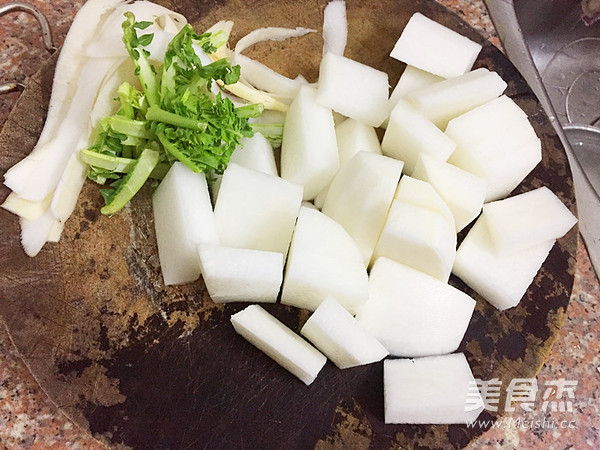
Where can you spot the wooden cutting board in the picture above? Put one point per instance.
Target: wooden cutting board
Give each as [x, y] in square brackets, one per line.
[142, 365]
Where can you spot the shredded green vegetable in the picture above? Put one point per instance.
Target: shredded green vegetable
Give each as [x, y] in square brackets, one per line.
[175, 117]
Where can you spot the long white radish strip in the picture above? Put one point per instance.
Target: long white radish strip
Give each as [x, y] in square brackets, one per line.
[24, 208]
[270, 34]
[335, 28]
[47, 172]
[90, 17]
[71, 182]
[55, 231]
[68, 67]
[256, 73]
[266, 79]
[68, 189]
[34, 233]
[255, 96]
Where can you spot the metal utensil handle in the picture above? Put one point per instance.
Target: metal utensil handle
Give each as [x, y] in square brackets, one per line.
[46, 36]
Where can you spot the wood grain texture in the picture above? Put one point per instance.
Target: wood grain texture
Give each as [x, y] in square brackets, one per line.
[148, 366]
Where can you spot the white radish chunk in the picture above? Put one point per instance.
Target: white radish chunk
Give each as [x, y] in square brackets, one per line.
[413, 314]
[255, 210]
[432, 390]
[278, 342]
[421, 193]
[353, 89]
[489, 119]
[240, 275]
[443, 101]
[335, 27]
[323, 261]
[256, 153]
[340, 337]
[526, 220]
[462, 191]
[319, 200]
[353, 136]
[418, 237]
[435, 48]
[410, 80]
[24, 208]
[502, 158]
[309, 154]
[501, 279]
[360, 196]
[183, 218]
[409, 133]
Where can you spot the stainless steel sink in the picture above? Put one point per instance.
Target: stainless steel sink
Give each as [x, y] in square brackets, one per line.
[566, 53]
[559, 56]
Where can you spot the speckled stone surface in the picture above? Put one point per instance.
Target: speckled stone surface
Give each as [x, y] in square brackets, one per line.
[29, 420]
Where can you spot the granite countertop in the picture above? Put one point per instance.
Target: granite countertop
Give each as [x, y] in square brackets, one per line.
[29, 419]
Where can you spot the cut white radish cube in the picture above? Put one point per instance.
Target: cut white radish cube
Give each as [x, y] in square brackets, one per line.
[319, 200]
[239, 274]
[323, 261]
[334, 331]
[335, 27]
[409, 133]
[353, 137]
[418, 237]
[501, 279]
[278, 342]
[502, 160]
[526, 220]
[183, 218]
[413, 314]
[443, 101]
[256, 153]
[435, 48]
[360, 196]
[421, 193]
[489, 119]
[462, 191]
[410, 80]
[255, 210]
[432, 390]
[309, 155]
[353, 89]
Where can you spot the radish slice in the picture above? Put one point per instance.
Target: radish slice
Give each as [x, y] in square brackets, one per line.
[270, 34]
[47, 172]
[335, 28]
[266, 79]
[70, 62]
[55, 231]
[34, 233]
[24, 208]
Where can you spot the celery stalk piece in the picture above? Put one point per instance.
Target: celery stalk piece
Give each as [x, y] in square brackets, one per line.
[132, 182]
[145, 71]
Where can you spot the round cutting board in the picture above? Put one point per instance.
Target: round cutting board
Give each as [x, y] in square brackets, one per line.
[148, 366]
